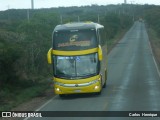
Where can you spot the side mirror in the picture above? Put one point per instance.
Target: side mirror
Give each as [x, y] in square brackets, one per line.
[100, 54]
[49, 56]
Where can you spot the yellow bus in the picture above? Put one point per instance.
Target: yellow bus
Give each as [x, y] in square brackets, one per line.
[79, 58]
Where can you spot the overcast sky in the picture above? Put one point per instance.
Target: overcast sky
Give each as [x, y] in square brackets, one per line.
[20, 4]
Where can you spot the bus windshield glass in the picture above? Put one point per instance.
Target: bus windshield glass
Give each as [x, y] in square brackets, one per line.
[75, 66]
[68, 40]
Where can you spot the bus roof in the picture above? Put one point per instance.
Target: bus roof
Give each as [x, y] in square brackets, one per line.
[78, 25]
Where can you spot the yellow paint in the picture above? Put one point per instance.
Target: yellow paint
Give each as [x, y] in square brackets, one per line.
[100, 54]
[73, 90]
[83, 89]
[49, 56]
[77, 81]
[73, 53]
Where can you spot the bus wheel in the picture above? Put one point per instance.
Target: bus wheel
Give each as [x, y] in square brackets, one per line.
[104, 85]
[98, 93]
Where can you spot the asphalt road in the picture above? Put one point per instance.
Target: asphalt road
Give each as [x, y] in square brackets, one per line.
[133, 82]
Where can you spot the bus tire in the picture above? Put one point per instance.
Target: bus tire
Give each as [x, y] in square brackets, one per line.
[104, 85]
[98, 93]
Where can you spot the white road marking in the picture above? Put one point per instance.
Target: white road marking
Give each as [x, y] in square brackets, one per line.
[154, 59]
[42, 106]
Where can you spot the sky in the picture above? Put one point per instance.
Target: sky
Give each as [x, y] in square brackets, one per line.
[26, 4]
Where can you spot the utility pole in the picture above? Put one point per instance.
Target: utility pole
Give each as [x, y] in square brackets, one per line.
[8, 13]
[32, 4]
[133, 9]
[28, 16]
[8, 7]
[61, 19]
[98, 19]
[125, 1]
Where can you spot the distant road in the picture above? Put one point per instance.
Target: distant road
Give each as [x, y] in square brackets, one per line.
[133, 81]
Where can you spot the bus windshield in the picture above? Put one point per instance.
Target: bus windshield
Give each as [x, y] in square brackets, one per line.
[69, 40]
[76, 66]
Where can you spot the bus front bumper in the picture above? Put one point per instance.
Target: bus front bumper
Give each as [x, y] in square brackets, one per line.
[77, 88]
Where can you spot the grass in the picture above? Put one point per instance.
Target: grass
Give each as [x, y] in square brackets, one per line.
[15, 96]
[112, 42]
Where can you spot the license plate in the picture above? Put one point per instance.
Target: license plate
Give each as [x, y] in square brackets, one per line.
[77, 91]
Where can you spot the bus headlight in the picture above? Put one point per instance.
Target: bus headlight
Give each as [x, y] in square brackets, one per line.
[58, 83]
[57, 89]
[94, 81]
[96, 87]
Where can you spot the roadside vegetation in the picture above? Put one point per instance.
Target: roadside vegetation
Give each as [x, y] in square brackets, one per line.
[152, 17]
[25, 37]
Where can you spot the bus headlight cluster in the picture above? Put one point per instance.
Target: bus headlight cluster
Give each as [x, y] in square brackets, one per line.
[94, 81]
[57, 89]
[96, 87]
[58, 83]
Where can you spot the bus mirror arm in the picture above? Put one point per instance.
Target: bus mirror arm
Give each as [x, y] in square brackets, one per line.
[49, 56]
[100, 54]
